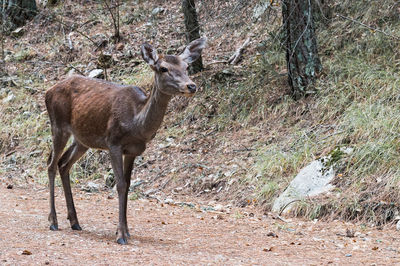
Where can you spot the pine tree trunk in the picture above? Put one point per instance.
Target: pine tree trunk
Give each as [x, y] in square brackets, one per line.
[303, 63]
[17, 12]
[192, 30]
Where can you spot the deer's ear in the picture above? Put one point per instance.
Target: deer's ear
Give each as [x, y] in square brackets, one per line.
[193, 51]
[149, 54]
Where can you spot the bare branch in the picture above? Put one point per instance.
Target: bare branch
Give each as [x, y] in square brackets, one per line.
[234, 59]
[369, 27]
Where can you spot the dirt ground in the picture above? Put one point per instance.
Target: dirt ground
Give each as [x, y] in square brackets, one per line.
[171, 234]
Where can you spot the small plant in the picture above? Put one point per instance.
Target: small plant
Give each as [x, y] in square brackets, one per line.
[134, 196]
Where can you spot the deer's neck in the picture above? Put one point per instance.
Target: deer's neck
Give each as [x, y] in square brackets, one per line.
[153, 112]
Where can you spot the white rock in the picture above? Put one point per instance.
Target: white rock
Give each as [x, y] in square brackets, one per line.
[92, 187]
[260, 9]
[157, 11]
[219, 208]
[10, 98]
[398, 225]
[71, 72]
[311, 180]
[168, 201]
[95, 73]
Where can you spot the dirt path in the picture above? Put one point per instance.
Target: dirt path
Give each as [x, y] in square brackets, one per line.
[166, 234]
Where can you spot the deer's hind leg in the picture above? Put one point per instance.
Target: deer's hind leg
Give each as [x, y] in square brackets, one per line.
[70, 156]
[60, 139]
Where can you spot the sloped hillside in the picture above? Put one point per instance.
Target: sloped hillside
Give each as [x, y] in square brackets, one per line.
[242, 138]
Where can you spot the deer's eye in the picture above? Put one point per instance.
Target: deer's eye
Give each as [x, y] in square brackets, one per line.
[164, 69]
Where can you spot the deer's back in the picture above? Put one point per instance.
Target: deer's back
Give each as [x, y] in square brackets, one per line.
[90, 107]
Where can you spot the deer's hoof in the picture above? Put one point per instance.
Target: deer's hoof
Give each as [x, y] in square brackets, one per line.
[76, 227]
[54, 227]
[122, 241]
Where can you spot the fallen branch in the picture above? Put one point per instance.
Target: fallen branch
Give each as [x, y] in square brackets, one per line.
[218, 62]
[70, 43]
[367, 26]
[235, 58]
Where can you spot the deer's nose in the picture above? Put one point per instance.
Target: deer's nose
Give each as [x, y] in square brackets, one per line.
[192, 88]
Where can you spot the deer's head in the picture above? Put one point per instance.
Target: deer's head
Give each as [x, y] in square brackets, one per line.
[171, 75]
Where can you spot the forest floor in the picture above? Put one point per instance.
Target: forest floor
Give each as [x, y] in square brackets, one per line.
[221, 150]
[168, 233]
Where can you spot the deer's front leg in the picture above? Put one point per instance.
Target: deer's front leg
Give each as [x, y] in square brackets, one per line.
[122, 188]
[128, 167]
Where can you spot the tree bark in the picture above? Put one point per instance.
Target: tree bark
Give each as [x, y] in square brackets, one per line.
[303, 63]
[52, 2]
[192, 30]
[17, 12]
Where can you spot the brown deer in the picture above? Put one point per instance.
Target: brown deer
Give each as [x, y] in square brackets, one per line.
[113, 117]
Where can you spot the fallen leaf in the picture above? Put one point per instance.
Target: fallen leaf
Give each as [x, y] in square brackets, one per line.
[272, 234]
[268, 249]
[26, 252]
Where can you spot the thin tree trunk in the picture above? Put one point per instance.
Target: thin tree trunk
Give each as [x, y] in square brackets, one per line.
[303, 63]
[192, 30]
[18, 12]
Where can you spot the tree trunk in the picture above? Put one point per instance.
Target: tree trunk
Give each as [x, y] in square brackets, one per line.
[17, 12]
[52, 2]
[303, 63]
[192, 30]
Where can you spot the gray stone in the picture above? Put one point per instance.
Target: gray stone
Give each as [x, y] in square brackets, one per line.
[91, 187]
[260, 9]
[71, 72]
[219, 208]
[10, 98]
[96, 73]
[157, 10]
[312, 180]
[168, 201]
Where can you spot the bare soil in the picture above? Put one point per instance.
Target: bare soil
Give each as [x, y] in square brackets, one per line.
[165, 234]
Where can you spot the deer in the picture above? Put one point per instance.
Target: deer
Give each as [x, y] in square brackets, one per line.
[120, 119]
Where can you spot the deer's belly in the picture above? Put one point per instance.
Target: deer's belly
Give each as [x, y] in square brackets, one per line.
[91, 141]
